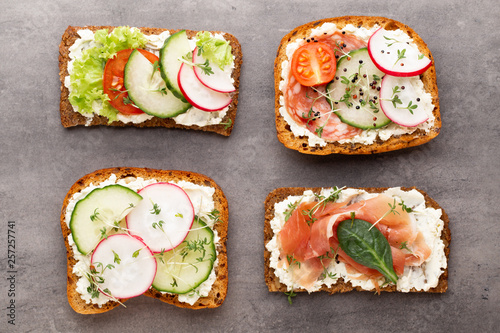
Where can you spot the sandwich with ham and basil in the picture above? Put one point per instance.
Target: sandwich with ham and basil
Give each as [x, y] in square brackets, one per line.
[342, 239]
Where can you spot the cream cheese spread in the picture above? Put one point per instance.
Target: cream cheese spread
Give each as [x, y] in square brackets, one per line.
[192, 116]
[427, 220]
[369, 136]
[202, 199]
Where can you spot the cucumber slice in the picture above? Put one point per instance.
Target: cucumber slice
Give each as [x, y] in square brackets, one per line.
[188, 265]
[353, 92]
[102, 208]
[148, 90]
[175, 47]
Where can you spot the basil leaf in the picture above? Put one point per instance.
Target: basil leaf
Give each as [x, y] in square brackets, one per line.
[366, 246]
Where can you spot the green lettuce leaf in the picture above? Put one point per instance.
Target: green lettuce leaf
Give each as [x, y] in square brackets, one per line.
[216, 50]
[86, 78]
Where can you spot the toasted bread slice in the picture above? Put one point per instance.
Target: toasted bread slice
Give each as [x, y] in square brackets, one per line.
[280, 194]
[71, 118]
[300, 143]
[219, 288]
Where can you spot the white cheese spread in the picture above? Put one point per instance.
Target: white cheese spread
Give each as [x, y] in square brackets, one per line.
[427, 221]
[202, 199]
[192, 116]
[366, 137]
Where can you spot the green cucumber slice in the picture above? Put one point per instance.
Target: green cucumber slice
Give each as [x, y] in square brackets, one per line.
[175, 47]
[353, 92]
[188, 265]
[102, 208]
[147, 89]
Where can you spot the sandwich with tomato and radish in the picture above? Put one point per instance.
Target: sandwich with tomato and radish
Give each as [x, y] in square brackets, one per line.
[134, 231]
[367, 239]
[355, 85]
[149, 77]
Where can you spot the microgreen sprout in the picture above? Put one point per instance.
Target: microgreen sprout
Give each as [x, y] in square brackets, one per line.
[156, 65]
[227, 124]
[401, 55]
[205, 67]
[290, 295]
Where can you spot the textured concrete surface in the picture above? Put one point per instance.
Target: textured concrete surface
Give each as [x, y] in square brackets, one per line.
[40, 160]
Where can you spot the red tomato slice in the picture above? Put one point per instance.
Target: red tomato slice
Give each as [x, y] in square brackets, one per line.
[112, 81]
[313, 64]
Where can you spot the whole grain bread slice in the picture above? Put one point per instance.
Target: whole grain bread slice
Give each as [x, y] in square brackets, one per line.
[280, 194]
[70, 118]
[219, 289]
[396, 142]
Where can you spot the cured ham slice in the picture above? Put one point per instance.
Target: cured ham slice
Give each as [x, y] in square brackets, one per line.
[306, 105]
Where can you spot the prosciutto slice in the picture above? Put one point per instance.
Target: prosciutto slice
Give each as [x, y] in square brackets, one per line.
[310, 237]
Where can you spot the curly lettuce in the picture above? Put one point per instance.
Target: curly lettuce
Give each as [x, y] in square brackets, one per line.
[87, 95]
[216, 50]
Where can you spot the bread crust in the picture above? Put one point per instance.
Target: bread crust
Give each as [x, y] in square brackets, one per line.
[70, 118]
[300, 144]
[219, 289]
[341, 286]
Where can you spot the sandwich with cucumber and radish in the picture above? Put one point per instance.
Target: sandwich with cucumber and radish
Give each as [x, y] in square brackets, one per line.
[355, 85]
[149, 77]
[367, 239]
[134, 231]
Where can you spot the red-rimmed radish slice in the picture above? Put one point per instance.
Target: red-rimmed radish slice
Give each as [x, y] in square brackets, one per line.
[123, 266]
[400, 102]
[219, 81]
[163, 218]
[197, 94]
[392, 53]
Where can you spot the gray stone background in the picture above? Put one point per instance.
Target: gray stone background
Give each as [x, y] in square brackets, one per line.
[40, 160]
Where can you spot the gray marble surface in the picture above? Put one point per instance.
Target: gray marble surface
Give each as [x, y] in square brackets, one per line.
[40, 160]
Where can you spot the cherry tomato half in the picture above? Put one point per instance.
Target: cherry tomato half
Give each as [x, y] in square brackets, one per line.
[314, 64]
[112, 81]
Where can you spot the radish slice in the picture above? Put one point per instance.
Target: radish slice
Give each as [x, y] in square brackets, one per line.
[124, 266]
[163, 218]
[219, 81]
[197, 94]
[393, 53]
[400, 101]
